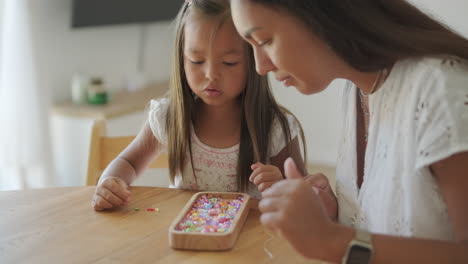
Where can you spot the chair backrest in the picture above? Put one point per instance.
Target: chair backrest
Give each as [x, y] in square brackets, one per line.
[104, 149]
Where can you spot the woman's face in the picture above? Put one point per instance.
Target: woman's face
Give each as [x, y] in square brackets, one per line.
[284, 46]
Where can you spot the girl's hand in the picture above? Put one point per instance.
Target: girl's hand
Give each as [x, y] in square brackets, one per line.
[325, 193]
[110, 193]
[295, 210]
[265, 176]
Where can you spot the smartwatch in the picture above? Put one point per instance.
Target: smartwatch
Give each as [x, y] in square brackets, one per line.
[359, 250]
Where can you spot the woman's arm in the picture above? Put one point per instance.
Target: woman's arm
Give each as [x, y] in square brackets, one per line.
[283, 207]
[452, 177]
[392, 249]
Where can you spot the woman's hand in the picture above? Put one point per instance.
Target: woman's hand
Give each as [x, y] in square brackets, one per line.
[325, 192]
[110, 193]
[264, 176]
[296, 211]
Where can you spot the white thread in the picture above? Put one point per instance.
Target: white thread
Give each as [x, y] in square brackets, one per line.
[265, 246]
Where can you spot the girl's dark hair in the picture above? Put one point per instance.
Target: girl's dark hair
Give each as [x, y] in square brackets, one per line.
[259, 107]
[373, 34]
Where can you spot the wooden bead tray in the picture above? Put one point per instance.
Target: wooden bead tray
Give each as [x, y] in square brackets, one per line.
[197, 240]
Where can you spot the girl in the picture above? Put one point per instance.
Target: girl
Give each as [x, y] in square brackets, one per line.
[402, 168]
[219, 118]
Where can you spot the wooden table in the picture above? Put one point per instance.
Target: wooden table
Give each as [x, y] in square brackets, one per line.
[58, 225]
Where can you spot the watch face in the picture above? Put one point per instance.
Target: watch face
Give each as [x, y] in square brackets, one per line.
[359, 255]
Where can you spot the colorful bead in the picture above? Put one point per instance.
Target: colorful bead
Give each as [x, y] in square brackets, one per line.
[211, 214]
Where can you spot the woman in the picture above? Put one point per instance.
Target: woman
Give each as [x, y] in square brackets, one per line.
[401, 172]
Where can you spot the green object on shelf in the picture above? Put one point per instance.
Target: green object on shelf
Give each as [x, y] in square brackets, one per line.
[97, 98]
[97, 95]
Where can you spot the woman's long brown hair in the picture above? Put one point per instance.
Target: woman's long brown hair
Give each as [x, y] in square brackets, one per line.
[259, 108]
[374, 34]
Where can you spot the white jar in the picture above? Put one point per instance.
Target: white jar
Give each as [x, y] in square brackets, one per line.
[79, 86]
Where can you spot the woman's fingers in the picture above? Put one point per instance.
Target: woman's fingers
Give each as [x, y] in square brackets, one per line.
[290, 169]
[265, 185]
[318, 180]
[271, 220]
[325, 193]
[269, 204]
[276, 190]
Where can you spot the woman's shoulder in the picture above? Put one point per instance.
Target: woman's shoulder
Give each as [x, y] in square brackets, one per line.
[440, 108]
[434, 68]
[432, 78]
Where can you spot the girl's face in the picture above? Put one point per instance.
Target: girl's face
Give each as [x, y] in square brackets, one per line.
[285, 46]
[215, 60]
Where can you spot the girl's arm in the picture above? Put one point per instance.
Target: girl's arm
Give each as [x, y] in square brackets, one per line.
[112, 189]
[291, 207]
[135, 158]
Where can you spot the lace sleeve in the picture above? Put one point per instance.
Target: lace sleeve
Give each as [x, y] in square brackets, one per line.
[157, 119]
[442, 114]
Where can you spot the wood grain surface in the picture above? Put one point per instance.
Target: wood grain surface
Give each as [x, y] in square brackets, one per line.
[58, 225]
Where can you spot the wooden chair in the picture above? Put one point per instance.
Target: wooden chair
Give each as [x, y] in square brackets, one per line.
[104, 149]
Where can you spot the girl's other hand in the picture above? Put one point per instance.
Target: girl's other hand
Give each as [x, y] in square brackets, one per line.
[264, 176]
[110, 193]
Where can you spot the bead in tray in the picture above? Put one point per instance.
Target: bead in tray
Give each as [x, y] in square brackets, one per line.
[210, 221]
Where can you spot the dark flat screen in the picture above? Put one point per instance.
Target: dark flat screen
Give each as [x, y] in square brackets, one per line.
[87, 13]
